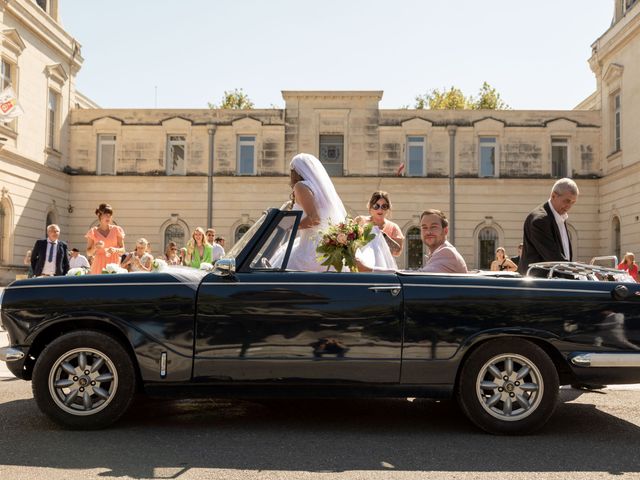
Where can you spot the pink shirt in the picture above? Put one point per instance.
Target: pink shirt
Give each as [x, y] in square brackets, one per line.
[445, 259]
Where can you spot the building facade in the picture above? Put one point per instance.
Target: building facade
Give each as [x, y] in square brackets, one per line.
[166, 172]
[40, 61]
[156, 167]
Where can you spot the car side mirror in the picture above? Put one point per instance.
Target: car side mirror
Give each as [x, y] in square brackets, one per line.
[225, 266]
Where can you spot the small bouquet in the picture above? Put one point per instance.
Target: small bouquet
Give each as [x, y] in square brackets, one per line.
[113, 268]
[206, 266]
[158, 265]
[76, 271]
[339, 242]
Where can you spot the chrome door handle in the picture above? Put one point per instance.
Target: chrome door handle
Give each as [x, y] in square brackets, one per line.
[393, 289]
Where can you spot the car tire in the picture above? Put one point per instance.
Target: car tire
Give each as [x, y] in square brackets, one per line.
[84, 380]
[508, 387]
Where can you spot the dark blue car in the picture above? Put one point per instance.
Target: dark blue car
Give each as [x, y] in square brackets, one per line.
[502, 344]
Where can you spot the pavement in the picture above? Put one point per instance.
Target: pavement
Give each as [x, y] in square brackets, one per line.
[5, 373]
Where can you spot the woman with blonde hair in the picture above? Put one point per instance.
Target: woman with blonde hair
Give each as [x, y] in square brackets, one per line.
[171, 254]
[502, 262]
[199, 250]
[629, 264]
[139, 260]
[105, 242]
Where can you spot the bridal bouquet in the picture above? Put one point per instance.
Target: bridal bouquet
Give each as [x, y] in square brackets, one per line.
[339, 242]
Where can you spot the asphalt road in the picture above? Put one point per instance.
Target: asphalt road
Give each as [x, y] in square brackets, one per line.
[591, 435]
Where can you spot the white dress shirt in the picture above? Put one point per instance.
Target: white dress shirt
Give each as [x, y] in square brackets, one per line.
[560, 221]
[79, 261]
[217, 252]
[49, 267]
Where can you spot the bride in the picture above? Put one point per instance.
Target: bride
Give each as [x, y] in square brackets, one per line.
[313, 192]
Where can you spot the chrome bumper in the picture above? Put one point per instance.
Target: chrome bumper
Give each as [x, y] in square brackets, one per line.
[606, 360]
[8, 354]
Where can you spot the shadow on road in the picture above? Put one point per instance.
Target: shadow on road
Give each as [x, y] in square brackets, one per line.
[164, 438]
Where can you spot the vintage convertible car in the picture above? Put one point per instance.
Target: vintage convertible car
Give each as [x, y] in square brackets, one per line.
[502, 344]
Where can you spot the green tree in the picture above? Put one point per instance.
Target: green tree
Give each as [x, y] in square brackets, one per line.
[235, 99]
[488, 99]
[436, 99]
[454, 99]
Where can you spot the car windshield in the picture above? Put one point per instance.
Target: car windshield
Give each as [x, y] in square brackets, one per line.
[240, 244]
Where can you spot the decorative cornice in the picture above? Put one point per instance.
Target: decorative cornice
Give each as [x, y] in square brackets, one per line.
[503, 122]
[417, 119]
[31, 16]
[176, 117]
[28, 164]
[11, 40]
[56, 72]
[244, 119]
[107, 117]
[613, 72]
[338, 94]
[557, 119]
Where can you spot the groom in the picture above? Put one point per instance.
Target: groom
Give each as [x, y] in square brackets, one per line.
[442, 257]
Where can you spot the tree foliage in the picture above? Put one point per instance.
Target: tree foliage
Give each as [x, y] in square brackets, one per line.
[436, 99]
[454, 99]
[234, 99]
[488, 99]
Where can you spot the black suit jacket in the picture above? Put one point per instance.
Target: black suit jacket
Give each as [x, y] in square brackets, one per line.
[542, 241]
[39, 256]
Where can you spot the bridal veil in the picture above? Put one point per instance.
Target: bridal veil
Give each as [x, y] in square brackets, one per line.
[327, 201]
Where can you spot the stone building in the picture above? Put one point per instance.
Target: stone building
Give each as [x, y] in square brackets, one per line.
[153, 166]
[40, 61]
[167, 171]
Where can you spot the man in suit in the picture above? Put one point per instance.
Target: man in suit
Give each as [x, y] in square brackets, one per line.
[546, 237]
[49, 257]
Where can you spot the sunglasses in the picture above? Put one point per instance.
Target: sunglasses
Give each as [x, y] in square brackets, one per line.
[377, 206]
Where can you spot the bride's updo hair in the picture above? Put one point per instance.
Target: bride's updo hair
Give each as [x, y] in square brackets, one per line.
[295, 177]
[104, 208]
[377, 196]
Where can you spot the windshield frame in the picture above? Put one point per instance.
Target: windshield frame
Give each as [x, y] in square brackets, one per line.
[240, 245]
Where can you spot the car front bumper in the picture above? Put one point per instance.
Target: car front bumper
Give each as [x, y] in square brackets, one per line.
[10, 354]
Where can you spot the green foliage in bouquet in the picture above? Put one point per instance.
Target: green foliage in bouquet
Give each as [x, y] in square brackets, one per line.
[339, 242]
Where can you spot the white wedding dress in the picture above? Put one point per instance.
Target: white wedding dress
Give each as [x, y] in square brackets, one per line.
[303, 254]
[375, 254]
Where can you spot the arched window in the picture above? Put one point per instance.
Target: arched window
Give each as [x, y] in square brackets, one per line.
[415, 249]
[240, 231]
[51, 219]
[487, 244]
[174, 233]
[615, 235]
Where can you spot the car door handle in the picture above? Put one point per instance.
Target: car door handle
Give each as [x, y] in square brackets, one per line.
[393, 289]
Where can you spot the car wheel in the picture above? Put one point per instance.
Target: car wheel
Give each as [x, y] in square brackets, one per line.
[84, 380]
[508, 386]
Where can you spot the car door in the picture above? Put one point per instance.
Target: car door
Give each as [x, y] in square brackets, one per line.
[264, 324]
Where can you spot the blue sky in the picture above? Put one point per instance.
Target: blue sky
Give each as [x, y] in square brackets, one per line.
[191, 51]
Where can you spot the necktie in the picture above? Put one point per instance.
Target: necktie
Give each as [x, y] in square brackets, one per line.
[53, 245]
